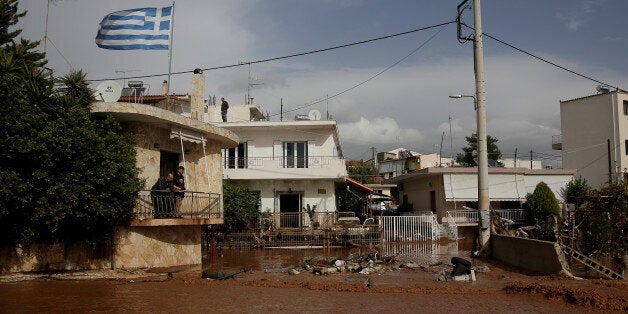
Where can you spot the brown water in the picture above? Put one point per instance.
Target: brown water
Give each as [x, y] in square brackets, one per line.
[229, 260]
[403, 291]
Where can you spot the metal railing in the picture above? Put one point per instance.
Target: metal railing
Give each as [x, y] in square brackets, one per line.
[471, 215]
[281, 162]
[303, 220]
[410, 228]
[187, 204]
[516, 215]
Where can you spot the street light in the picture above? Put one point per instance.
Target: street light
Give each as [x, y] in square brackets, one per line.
[483, 196]
[475, 103]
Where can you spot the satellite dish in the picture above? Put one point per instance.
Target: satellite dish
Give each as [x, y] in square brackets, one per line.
[314, 114]
[108, 91]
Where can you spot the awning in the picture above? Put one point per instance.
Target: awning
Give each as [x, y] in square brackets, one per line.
[186, 135]
[359, 186]
[501, 187]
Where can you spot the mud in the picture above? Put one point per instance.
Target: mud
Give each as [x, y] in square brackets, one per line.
[500, 289]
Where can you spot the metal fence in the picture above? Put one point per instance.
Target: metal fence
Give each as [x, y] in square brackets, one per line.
[303, 219]
[188, 204]
[410, 228]
[471, 215]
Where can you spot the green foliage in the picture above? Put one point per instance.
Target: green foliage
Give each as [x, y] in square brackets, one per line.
[240, 205]
[310, 210]
[603, 221]
[361, 171]
[542, 202]
[467, 158]
[576, 191]
[68, 176]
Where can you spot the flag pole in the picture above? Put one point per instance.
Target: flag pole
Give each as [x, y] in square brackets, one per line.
[170, 54]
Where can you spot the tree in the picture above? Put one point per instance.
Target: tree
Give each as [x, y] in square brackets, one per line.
[240, 205]
[603, 223]
[468, 159]
[361, 171]
[576, 191]
[542, 202]
[68, 176]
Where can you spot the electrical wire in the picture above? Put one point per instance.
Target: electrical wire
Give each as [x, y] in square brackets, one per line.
[372, 77]
[545, 60]
[287, 56]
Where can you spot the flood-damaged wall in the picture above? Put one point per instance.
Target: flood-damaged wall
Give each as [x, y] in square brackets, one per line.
[535, 255]
[54, 257]
[133, 247]
[162, 246]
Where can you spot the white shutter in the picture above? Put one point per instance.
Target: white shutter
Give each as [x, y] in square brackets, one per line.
[278, 152]
[312, 159]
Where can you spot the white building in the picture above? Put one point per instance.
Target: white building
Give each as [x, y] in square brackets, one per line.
[291, 164]
[398, 161]
[591, 127]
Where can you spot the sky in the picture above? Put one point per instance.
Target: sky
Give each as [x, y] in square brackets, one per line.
[390, 93]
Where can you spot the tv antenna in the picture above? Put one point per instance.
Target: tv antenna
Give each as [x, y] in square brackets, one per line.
[124, 72]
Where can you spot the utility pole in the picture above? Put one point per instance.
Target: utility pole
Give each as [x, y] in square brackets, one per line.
[483, 196]
[484, 218]
[281, 110]
[375, 170]
[530, 160]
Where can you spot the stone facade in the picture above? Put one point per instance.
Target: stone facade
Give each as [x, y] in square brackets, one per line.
[54, 257]
[163, 246]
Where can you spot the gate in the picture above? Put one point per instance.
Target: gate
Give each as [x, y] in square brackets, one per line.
[410, 228]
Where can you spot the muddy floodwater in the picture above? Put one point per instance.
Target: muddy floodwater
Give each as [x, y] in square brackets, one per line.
[498, 289]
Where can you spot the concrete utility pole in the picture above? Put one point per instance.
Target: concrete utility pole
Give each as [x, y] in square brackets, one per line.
[483, 196]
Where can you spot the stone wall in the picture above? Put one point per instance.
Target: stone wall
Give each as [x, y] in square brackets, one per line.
[54, 257]
[164, 246]
[135, 247]
[536, 255]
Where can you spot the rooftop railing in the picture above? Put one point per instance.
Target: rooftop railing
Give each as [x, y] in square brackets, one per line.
[185, 204]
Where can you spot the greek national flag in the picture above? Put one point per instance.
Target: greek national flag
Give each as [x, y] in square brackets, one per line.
[146, 28]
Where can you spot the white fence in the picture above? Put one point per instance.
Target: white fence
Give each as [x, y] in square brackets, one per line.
[410, 228]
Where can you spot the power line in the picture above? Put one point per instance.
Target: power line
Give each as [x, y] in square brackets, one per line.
[545, 60]
[288, 56]
[370, 78]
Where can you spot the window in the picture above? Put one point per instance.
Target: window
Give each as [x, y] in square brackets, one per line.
[626, 146]
[295, 154]
[625, 107]
[236, 157]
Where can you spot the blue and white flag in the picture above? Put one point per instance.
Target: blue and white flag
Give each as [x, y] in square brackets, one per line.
[146, 28]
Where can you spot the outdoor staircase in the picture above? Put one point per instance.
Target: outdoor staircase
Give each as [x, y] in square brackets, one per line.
[587, 261]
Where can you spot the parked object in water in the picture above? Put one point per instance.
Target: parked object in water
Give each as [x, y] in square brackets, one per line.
[220, 275]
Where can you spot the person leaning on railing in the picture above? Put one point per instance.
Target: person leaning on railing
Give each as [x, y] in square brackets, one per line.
[162, 196]
[179, 182]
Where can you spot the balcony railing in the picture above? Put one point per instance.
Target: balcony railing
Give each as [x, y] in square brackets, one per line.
[302, 219]
[281, 162]
[165, 204]
[471, 215]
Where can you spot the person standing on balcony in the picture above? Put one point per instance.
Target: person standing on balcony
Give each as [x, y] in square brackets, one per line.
[223, 109]
[179, 182]
[161, 193]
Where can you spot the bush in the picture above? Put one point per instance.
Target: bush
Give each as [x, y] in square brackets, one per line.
[542, 202]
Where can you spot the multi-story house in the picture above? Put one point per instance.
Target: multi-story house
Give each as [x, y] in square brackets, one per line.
[399, 161]
[595, 136]
[290, 164]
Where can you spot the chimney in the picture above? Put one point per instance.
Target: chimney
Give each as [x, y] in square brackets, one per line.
[164, 88]
[197, 101]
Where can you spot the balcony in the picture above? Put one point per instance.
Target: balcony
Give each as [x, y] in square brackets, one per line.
[557, 142]
[163, 208]
[323, 167]
[297, 220]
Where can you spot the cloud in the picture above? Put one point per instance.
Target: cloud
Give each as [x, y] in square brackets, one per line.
[579, 13]
[379, 131]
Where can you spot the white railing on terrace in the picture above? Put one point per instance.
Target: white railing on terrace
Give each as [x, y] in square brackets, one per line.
[282, 162]
[471, 215]
[410, 228]
[302, 219]
[187, 204]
